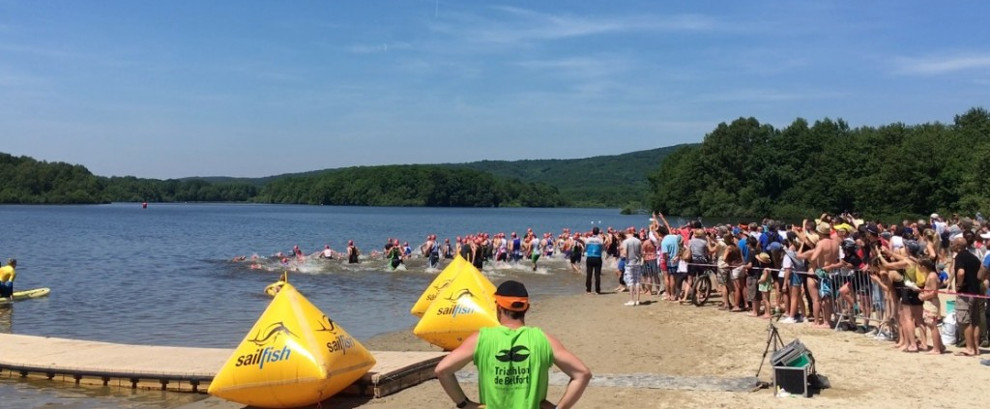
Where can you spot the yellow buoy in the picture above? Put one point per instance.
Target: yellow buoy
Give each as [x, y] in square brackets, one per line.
[439, 283]
[464, 306]
[273, 288]
[293, 356]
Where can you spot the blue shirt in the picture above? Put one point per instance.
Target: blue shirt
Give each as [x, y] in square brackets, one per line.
[670, 244]
[593, 247]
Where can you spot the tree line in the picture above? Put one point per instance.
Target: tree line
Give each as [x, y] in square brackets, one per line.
[409, 185]
[749, 169]
[24, 180]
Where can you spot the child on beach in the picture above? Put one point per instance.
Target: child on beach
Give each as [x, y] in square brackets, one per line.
[680, 281]
[932, 313]
[765, 283]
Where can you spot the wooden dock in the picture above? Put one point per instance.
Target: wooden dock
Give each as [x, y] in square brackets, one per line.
[175, 368]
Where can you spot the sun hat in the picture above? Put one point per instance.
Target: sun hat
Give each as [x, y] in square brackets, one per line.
[763, 257]
[823, 228]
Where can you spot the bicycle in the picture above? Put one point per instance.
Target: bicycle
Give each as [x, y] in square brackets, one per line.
[703, 287]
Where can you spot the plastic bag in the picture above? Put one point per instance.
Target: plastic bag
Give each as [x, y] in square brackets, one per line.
[948, 330]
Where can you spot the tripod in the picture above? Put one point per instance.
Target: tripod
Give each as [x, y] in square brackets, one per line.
[773, 339]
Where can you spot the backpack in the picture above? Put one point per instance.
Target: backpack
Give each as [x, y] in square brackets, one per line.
[852, 253]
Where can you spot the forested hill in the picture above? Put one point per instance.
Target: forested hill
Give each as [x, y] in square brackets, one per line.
[409, 185]
[748, 169]
[599, 181]
[24, 180]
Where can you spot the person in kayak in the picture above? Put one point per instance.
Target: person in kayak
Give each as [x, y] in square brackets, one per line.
[7, 275]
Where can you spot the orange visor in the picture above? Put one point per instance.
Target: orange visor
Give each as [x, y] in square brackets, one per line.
[518, 304]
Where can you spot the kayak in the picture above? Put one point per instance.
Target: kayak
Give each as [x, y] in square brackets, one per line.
[28, 294]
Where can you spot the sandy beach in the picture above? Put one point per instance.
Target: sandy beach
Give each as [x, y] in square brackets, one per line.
[679, 340]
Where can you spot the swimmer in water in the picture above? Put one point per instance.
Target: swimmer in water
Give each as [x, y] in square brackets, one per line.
[327, 253]
[393, 255]
[352, 252]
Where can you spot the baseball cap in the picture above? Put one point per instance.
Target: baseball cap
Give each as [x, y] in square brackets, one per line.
[512, 295]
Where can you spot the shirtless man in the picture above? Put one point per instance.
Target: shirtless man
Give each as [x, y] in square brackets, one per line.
[823, 255]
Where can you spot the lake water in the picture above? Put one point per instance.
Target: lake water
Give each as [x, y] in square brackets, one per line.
[165, 275]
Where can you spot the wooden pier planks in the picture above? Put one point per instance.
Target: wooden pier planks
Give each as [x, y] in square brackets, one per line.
[175, 368]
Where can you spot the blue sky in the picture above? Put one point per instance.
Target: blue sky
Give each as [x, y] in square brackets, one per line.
[243, 88]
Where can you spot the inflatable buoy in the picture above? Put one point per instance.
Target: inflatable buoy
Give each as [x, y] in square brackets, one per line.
[273, 288]
[464, 306]
[293, 356]
[439, 283]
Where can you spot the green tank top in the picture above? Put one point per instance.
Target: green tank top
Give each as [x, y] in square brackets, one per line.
[513, 367]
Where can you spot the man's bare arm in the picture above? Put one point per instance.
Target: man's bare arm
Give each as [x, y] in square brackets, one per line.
[452, 363]
[571, 365]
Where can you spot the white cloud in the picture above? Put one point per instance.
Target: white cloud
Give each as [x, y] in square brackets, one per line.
[382, 47]
[527, 25]
[944, 65]
[767, 95]
[584, 67]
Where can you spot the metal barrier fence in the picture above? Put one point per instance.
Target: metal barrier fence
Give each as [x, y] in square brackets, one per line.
[850, 300]
[846, 299]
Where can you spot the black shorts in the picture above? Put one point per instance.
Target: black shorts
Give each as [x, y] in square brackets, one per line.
[910, 297]
[695, 270]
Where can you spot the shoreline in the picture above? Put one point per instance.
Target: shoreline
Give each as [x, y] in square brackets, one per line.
[666, 338]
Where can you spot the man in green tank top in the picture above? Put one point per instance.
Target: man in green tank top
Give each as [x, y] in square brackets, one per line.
[513, 360]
